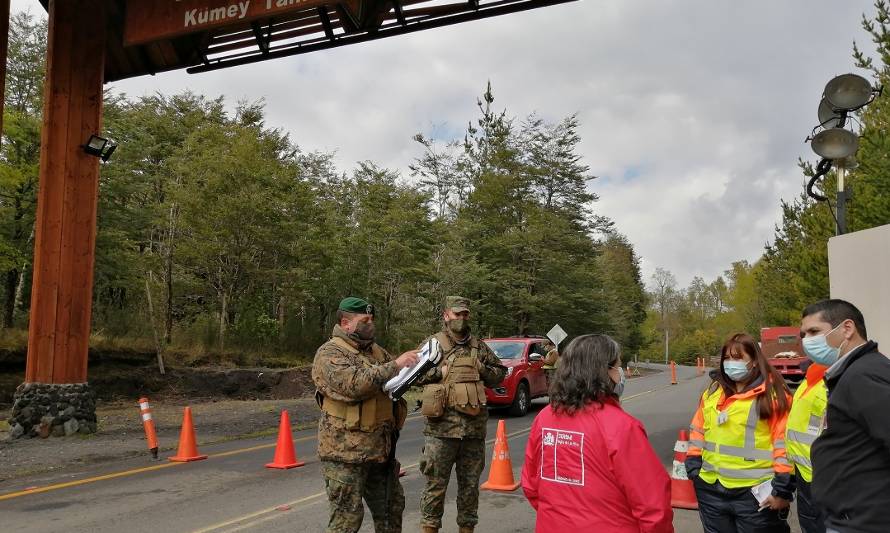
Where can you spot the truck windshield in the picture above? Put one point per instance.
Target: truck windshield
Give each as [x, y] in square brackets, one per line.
[507, 349]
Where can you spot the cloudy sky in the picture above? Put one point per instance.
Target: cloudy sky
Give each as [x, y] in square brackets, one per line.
[693, 113]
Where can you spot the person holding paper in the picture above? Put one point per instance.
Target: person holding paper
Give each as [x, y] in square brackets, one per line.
[359, 423]
[589, 466]
[737, 459]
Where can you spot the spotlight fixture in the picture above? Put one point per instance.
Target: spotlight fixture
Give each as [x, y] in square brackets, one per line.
[100, 147]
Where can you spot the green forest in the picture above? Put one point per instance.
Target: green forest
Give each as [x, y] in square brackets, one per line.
[218, 234]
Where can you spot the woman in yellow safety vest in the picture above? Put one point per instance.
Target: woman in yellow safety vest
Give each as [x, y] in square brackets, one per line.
[737, 446]
[805, 423]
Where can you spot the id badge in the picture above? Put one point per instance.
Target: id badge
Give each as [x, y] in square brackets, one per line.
[721, 418]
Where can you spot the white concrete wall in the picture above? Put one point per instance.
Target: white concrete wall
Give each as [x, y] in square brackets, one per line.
[859, 272]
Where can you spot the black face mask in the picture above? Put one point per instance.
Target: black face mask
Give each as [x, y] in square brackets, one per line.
[363, 333]
[458, 326]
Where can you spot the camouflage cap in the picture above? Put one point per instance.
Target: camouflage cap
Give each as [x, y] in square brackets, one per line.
[457, 304]
[356, 305]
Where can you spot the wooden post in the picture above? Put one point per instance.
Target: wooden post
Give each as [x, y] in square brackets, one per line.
[64, 248]
[4, 44]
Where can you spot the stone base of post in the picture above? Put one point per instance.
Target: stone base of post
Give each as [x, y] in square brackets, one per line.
[49, 409]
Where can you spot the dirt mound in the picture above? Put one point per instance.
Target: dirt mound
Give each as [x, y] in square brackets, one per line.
[127, 375]
[238, 383]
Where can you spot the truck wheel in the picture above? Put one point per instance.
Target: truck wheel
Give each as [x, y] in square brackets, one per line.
[520, 401]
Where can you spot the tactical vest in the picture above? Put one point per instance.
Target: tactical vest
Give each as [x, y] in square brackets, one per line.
[805, 424]
[368, 415]
[738, 447]
[465, 390]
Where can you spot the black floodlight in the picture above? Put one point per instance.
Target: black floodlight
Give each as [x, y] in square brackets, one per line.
[100, 147]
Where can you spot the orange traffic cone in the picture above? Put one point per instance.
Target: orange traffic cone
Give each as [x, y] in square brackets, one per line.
[285, 455]
[188, 449]
[673, 373]
[500, 475]
[682, 490]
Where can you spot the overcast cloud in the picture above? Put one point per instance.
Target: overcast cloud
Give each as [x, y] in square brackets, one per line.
[693, 113]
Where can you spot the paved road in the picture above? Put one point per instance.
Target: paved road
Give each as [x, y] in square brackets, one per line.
[232, 491]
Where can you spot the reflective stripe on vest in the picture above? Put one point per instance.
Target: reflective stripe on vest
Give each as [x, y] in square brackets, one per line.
[738, 452]
[805, 424]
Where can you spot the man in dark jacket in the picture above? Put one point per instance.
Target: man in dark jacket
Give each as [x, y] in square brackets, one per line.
[851, 457]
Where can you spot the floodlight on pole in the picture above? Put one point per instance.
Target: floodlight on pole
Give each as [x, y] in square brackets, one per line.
[828, 117]
[849, 92]
[835, 144]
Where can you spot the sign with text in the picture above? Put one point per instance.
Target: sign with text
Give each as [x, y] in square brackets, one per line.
[153, 20]
[562, 456]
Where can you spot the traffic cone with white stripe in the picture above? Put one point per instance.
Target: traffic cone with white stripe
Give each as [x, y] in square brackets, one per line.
[682, 490]
[500, 475]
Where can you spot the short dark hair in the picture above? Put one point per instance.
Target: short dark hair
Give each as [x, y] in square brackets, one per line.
[582, 376]
[835, 311]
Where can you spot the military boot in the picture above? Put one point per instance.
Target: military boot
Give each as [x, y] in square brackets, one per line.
[428, 529]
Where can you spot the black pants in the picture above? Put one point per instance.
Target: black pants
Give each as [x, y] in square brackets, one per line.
[724, 510]
[810, 515]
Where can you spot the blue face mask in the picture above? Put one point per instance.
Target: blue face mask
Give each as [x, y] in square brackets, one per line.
[622, 380]
[736, 370]
[819, 351]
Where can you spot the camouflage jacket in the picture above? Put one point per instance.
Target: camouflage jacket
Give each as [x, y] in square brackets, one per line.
[455, 424]
[347, 377]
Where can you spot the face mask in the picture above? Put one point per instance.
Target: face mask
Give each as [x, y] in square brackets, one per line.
[819, 351]
[363, 333]
[736, 370]
[458, 326]
[622, 380]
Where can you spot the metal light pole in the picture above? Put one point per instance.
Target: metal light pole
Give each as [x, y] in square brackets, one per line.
[841, 202]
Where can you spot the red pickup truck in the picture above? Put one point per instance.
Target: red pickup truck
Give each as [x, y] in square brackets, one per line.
[526, 378]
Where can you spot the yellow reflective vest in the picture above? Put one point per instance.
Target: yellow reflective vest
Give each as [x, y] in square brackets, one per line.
[737, 447]
[805, 421]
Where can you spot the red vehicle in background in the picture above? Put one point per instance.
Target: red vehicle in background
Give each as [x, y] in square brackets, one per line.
[784, 349]
[526, 378]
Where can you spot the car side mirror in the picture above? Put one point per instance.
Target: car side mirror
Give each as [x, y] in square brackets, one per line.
[535, 357]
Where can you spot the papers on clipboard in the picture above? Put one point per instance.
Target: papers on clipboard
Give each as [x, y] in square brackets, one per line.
[428, 357]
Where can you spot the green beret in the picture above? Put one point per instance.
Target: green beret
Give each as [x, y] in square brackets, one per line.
[457, 304]
[356, 305]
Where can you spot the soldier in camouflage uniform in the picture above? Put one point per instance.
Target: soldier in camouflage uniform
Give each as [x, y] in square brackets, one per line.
[359, 423]
[456, 438]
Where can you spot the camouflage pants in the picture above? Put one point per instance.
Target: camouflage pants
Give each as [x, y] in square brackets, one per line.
[346, 484]
[440, 454]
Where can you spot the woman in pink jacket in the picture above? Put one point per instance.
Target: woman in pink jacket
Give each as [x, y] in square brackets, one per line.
[588, 464]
